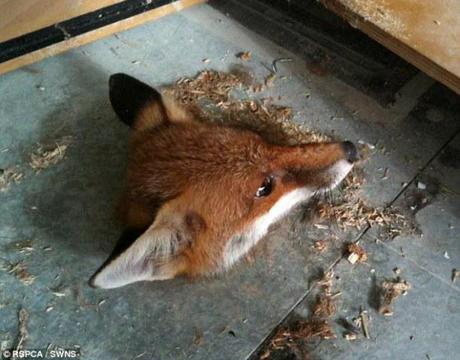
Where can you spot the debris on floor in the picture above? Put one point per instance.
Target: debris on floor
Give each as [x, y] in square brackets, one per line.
[270, 79]
[25, 247]
[20, 271]
[320, 245]
[198, 337]
[244, 55]
[273, 122]
[289, 338]
[364, 323]
[317, 325]
[8, 176]
[324, 306]
[390, 290]
[350, 336]
[356, 253]
[351, 211]
[352, 329]
[455, 275]
[45, 156]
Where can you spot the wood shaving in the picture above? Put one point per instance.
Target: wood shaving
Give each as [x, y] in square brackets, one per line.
[244, 55]
[198, 337]
[19, 270]
[324, 305]
[270, 79]
[364, 323]
[9, 176]
[390, 290]
[351, 327]
[25, 247]
[320, 245]
[351, 211]
[356, 253]
[455, 275]
[208, 97]
[46, 156]
[301, 330]
[350, 336]
[315, 326]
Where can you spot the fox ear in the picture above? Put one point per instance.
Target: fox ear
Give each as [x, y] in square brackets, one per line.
[155, 255]
[129, 98]
[140, 106]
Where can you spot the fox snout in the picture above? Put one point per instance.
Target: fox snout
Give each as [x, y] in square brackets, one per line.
[198, 196]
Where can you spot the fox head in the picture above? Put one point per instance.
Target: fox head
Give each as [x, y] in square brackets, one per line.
[198, 196]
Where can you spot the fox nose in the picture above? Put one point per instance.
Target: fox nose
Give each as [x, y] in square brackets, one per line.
[351, 153]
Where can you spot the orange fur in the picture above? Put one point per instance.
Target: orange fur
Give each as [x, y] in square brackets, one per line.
[201, 168]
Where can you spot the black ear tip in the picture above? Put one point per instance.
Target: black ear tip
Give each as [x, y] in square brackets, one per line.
[117, 78]
[129, 95]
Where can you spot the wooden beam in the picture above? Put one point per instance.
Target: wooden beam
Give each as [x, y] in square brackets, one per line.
[99, 33]
[19, 17]
[424, 33]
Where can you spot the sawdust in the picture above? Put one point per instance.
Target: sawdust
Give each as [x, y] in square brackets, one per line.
[9, 176]
[320, 245]
[25, 247]
[390, 290]
[324, 305]
[20, 271]
[244, 55]
[209, 96]
[270, 79]
[290, 337]
[356, 253]
[351, 211]
[317, 325]
[47, 155]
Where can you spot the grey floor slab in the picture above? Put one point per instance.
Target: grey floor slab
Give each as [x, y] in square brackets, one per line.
[435, 203]
[66, 211]
[425, 321]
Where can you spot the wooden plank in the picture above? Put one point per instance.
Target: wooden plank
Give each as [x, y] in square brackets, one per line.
[96, 34]
[424, 33]
[19, 17]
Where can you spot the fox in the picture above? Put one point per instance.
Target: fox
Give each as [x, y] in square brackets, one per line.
[199, 196]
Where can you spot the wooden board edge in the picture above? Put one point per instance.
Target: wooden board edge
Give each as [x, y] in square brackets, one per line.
[51, 17]
[97, 34]
[412, 56]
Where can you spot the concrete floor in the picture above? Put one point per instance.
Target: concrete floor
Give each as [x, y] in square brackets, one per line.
[66, 212]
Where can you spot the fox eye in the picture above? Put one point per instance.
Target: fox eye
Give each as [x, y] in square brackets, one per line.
[266, 188]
